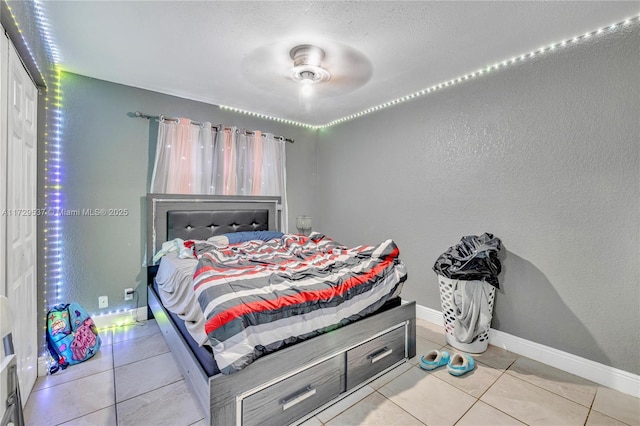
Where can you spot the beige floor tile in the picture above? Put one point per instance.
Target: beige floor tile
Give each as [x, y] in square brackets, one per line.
[430, 331]
[101, 361]
[494, 356]
[598, 419]
[482, 414]
[139, 348]
[618, 405]
[340, 406]
[552, 379]
[146, 375]
[474, 383]
[90, 394]
[372, 411]
[427, 398]
[533, 405]
[422, 347]
[104, 417]
[386, 378]
[120, 334]
[169, 405]
[152, 391]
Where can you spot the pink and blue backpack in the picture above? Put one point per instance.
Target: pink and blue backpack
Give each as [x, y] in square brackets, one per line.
[72, 337]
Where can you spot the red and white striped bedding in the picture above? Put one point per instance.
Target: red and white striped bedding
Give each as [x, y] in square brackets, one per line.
[258, 297]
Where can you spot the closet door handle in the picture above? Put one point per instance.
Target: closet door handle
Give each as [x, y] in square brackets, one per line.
[382, 353]
[298, 398]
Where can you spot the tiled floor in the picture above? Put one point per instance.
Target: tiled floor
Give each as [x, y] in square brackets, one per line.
[134, 381]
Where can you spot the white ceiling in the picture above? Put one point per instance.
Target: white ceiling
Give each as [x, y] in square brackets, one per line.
[236, 53]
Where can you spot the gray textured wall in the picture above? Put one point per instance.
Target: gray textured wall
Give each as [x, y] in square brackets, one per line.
[107, 161]
[545, 155]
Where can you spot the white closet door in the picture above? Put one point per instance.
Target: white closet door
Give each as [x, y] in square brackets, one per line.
[4, 58]
[4, 361]
[21, 226]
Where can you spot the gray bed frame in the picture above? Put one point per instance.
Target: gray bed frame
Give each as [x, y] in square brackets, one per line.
[335, 363]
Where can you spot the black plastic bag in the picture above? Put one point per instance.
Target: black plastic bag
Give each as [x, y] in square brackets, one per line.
[472, 259]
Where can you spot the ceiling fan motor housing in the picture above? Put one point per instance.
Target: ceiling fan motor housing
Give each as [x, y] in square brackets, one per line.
[307, 64]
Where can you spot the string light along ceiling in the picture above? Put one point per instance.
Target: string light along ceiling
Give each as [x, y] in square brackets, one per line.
[443, 85]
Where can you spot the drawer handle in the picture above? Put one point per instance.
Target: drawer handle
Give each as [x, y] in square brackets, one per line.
[304, 394]
[382, 353]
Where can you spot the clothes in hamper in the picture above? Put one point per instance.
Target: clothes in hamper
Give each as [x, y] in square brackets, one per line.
[472, 309]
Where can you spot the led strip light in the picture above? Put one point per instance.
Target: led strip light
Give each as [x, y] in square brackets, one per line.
[53, 193]
[40, 20]
[52, 226]
[269, 117]
[45, 32]
[438, 87]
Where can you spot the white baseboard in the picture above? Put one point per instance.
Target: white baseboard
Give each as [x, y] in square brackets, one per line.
[103, 321]
[604, 375]
[43, 368]
[120, 318]
[429, 314]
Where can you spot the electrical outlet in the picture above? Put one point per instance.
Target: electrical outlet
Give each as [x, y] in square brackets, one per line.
[103, 302]
[128, 294]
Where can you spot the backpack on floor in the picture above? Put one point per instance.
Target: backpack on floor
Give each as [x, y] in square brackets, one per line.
[72, 337]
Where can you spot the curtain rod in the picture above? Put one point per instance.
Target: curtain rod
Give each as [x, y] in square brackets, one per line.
[195, 123]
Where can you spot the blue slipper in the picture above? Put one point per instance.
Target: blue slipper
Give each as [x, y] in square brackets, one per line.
[434, 359]
[461, 364]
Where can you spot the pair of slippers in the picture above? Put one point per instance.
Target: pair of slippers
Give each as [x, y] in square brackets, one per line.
[457, 365]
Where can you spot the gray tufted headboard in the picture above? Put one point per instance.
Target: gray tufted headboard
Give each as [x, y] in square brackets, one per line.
[200, 225]
[199, 217]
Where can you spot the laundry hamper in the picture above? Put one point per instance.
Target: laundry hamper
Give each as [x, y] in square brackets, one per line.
[481, 341]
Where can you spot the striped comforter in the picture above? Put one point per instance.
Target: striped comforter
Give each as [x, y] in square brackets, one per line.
[258, 297]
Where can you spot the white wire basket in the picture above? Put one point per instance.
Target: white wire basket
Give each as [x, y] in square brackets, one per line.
[481, 340]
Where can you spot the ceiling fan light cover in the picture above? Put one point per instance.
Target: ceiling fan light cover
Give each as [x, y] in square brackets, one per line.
[307, 64]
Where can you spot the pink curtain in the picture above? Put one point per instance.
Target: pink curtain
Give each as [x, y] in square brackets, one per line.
[193, 159]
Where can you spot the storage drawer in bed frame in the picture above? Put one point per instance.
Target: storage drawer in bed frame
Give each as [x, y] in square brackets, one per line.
[375, 356]
[287, 377]
[292, 398]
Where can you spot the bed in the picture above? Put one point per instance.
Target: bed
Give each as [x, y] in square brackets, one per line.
[294, 382]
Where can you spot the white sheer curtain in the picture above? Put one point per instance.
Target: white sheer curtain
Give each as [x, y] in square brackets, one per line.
[194, 159]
